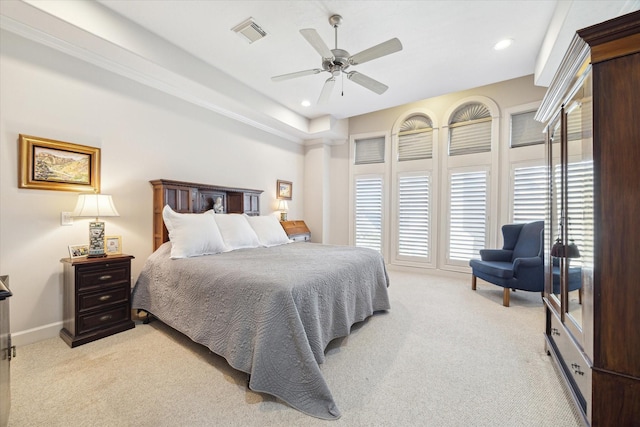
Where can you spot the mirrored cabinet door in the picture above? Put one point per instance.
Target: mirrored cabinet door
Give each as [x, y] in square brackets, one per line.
[577, 221]
[554, 213]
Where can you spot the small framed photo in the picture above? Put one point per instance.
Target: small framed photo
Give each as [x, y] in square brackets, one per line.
[78, 251]
[285, 190]
[113, 245]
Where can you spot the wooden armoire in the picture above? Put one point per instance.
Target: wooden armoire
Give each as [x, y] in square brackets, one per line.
[592, 232]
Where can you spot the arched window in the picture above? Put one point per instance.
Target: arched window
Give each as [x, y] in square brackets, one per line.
[470, 130]
[415, 139]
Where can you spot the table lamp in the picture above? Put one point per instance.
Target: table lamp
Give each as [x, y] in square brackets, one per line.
[95, 205]
[283, 207]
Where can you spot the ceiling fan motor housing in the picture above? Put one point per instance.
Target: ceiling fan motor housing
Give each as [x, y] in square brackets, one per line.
[340, 61]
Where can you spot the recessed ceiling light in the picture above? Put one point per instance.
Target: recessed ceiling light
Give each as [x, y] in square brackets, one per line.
[305, 103]
[503, 44]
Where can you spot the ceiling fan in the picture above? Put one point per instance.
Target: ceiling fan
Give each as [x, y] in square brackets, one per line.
[337, 61]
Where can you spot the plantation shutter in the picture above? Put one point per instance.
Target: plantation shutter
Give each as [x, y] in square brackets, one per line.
[525, 130]
[529, 194]
[470, 130]
[368, 212]
[580, 209]
[369, 150]
[415, 139]
[413, 216]
[468, 215]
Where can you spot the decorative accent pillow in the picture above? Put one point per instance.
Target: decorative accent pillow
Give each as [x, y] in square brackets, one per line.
[236, 231]
[192, 234]
[268, 230]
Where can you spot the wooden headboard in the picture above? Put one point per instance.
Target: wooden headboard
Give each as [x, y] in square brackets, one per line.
[188, 197]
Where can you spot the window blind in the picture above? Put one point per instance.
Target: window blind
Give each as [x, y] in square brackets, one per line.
[525, 130]
[368, 213]
[369, 150]
[467, 214]
[529, 194]
[415, 139]
[470, 130]
[580, 209]
[413, 216]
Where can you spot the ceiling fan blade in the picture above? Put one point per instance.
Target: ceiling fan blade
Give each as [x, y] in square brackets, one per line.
[367, 82]
[296, 74]
[382, 49]
[316, 41]
[326, 90]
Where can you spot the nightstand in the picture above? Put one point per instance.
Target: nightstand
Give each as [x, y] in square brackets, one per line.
[96, 298]
[296, 230]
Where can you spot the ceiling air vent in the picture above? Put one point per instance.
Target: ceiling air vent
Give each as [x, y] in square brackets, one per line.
[249, 30]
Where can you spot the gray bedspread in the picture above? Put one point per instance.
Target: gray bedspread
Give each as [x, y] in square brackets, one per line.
[269, 312]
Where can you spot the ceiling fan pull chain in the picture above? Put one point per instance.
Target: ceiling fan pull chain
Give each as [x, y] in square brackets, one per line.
[342, 89]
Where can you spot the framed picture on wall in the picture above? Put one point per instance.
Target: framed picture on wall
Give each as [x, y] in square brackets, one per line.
[284, 190]
[46, 164]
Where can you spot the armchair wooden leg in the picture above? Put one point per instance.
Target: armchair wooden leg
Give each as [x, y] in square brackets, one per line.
[505, 297]
[473, 282]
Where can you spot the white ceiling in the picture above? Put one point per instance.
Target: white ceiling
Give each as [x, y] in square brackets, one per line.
[447, 47]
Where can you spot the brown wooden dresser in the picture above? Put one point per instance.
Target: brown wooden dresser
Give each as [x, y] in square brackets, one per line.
[96, 298]
[296, 230]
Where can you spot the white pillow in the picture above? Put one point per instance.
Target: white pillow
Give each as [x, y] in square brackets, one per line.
[268, 230]
[192, 234]
[236, 231]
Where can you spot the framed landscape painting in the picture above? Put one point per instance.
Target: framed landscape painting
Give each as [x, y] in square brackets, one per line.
[46, 164]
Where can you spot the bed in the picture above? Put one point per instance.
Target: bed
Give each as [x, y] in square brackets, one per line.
[269, 310]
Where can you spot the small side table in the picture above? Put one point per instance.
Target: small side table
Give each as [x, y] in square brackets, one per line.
[296, 230]
[97, 298]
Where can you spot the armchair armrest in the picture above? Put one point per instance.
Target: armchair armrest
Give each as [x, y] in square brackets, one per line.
[496, 255]
[526, 262]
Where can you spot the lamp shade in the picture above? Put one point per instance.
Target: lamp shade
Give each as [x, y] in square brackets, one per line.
[283, 206]
[95, 205]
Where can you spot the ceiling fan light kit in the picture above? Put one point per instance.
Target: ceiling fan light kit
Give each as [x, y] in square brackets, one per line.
[337, 61]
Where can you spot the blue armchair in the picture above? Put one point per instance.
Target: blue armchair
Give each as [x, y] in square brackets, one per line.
[518, 265]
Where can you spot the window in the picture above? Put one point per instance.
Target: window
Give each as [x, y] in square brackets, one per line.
[525, 130]
[529, 194]
[580, 209]
[470, 130]
[368, 212]
[467, 214]
[369, 150]
[413, 216]
[415, 139]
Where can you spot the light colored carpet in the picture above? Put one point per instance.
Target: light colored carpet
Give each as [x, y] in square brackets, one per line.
[444, 355]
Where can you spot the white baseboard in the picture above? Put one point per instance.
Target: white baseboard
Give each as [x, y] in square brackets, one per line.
[36, 334]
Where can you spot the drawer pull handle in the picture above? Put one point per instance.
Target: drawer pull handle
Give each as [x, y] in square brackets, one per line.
[105, 317]
[576, 369]
[105, 277]
[105, 297]
[555, 331]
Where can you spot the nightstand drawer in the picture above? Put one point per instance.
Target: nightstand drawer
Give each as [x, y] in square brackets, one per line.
[94, 300]
[104, 318]
[301, 237]
[107, 274]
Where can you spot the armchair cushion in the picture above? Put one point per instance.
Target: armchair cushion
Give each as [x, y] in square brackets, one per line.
[498, 269]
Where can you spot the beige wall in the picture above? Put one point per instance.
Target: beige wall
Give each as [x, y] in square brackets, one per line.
[506, 94]
[143, 135]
